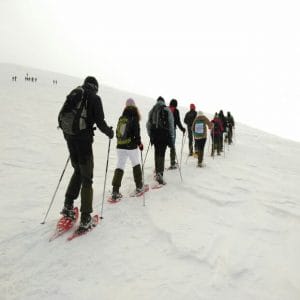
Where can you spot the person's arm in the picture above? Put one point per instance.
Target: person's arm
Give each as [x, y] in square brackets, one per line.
[171, 125]
[99, 118]
[177, 120]
[208, 123]
[137, 131]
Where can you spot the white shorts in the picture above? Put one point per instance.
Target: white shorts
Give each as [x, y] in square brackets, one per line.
[123, 154]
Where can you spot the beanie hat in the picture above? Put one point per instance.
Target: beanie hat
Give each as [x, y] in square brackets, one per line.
[173, 103]
[200, 113]
[91, 83]
[161, 99]
[192, 106]
[130, 102]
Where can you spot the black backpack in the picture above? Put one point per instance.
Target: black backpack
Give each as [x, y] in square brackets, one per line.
[160, 118]
[72, 117]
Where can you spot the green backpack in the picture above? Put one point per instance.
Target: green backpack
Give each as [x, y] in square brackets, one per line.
[123, 131]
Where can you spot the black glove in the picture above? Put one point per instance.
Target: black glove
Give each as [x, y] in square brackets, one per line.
[110, 133]
[183, 130]
[141, 146]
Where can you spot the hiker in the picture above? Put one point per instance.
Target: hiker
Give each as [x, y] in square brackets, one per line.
[216, 135]
[177, 122]
[230, 126]
[200, 134]
[224, 126]
[188, 120]
[78, 134]
[160, 128]
[128, 143]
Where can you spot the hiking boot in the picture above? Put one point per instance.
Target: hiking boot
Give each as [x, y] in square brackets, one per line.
[200, 165]
[173, 167]
[85, 223]
[159, 178]
[68, 212]
[116, 195]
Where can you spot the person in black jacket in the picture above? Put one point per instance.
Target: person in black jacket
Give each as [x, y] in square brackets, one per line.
[230, 126]
[128, 142]
[81, 155]
[177, 122]
[160, 128]
[224, 124]
[189, 119]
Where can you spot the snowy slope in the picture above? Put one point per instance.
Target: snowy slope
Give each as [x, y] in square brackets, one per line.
[229, 231]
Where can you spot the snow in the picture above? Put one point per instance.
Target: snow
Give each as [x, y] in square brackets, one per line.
[230, 230]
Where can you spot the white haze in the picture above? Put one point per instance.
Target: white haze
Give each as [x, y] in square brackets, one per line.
[239, 56]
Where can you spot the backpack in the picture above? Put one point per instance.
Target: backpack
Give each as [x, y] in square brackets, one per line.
[199, 129]
[123, 131]
[72, 117]
[160, 118]
[216, 130]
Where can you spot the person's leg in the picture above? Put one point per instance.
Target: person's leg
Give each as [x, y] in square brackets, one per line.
[119, 171]
[190, 136]
[161, 152]
[173, 153]
[74, 185]
[86, 165]
[136, 168]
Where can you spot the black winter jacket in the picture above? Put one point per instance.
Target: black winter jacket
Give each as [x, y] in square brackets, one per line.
[134, 130]
[177, 121]
[95, 115]
[190, 117]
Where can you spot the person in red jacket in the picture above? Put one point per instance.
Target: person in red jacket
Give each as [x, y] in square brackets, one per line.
[217, 135]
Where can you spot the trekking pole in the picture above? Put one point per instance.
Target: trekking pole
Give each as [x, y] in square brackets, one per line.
[182, 145]
[179, 168]
[143, 162]
[101, 214]
[62, 174]
[213, 144]
[224, 146]
[233, 130]
[143, 179]
[208, 145]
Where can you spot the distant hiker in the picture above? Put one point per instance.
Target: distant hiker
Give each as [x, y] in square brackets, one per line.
[81, 110]
[216, 134]
[224, 125]
[177, 122]
[160, 128]
[230, 126]
[188, 120]
[200, 134]
[128, 143]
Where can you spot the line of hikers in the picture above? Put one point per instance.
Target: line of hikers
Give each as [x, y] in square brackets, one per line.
[221, 127]
[83, 108]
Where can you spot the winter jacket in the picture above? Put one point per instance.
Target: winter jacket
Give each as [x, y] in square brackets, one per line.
[95, 115]
[223, 121]
[218, 127]
[206, 122]
[131, 113]
[176, 117]
[230, 121]
[190, 117]
[161, 135]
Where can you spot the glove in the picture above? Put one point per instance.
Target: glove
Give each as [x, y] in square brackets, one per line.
[183, 130]
[110, 133]
[141, 146]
